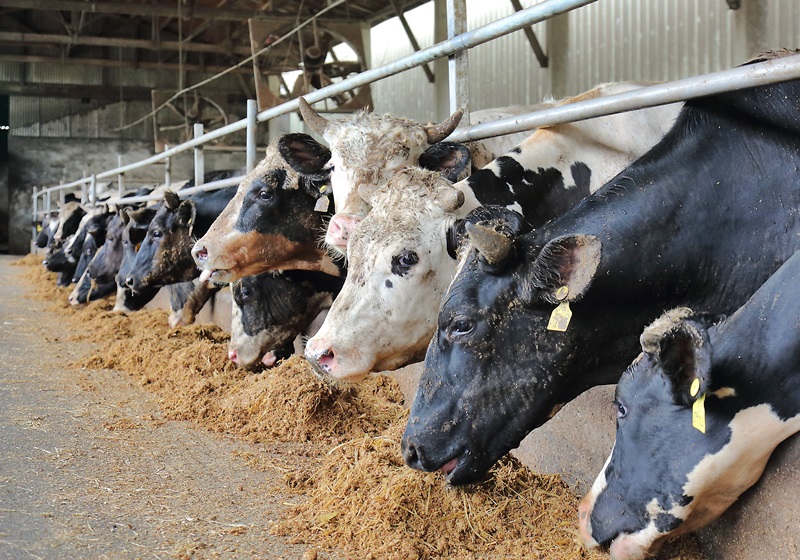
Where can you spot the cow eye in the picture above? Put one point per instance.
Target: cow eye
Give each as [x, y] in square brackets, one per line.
[266, 194]
[461, 326]
[244, 293]
[156, 234]
[622, 410]
[403, 262]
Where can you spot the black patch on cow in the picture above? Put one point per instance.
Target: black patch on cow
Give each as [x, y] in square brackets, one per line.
[665, 522]
[582, 176]
[450, 159]
[389, 283]
[403, 262]
[516, 150]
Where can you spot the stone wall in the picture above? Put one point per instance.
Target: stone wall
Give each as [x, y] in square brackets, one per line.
[47, 161]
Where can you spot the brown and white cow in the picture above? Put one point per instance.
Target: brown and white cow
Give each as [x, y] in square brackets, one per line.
[276, 217]
[367, 149]
[401, 257]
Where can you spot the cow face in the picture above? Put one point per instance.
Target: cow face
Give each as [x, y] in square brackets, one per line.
[398, 269]
[70, 216]
[134, 231]
[269, 311]
[164, 256]
[106, 262]
[366, 150]
[492, 335]
[664, 477]
[46, 230]
[271, 222]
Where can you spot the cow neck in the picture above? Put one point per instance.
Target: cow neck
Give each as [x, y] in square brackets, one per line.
[208, 206]
[715, 188]
[754, 351]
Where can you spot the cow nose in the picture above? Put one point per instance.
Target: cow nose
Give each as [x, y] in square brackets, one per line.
[410, 455]
[233, 356]
[45, 262]
[340, 228]
[199, 253]
[129, 281]
[584, 522]
[321, 356]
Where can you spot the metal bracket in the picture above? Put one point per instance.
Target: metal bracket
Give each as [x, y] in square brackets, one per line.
[537, 48]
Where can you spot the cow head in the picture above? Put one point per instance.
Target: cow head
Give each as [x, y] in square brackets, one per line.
[46, 230]
[164, 256]
[493, 370]
[104, 266]
[665, 477]
[270, 310]
[275, 219]
[398, 268]
[70, 216]
[366, 150]
[134, 231]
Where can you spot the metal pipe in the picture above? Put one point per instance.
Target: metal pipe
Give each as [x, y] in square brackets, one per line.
[167, 166]
[93, 190]
[214, 185]
[741, 77]
[47, 202]
[120, 176]
[458, 63]
[504, 26]
[252, 125]
[199, 163]
[35, 202]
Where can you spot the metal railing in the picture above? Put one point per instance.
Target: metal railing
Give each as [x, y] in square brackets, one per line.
[771, 71]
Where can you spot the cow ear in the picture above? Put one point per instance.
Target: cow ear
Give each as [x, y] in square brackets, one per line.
[304, 154]
[682, 348]
[123, 213]
[186, 213]
[569, 261]
[451, 159]
[171, 200]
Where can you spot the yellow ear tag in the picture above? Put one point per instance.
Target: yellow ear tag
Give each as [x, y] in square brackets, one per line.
[695, 387]
[39, 229]
[322, 204]
[699, 413]
[561, 315]
[137, 247]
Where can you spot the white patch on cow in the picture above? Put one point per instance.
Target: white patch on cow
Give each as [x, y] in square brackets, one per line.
[724, 392]
[719, 478]
[587, 504]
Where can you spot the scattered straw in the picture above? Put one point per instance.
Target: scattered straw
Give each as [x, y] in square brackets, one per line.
[359, 497]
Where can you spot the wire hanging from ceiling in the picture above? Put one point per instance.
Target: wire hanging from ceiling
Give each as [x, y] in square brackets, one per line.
[234, 67]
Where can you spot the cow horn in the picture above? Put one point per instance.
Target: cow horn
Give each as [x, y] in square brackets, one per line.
[314, 120]
[492, 245]
[438, 132]
[450, 199]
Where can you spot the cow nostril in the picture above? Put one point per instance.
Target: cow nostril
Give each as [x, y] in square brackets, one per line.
[129, 281]
[200, 254]
[233, 356]
[410, 456]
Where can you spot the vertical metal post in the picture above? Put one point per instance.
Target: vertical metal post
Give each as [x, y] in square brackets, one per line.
[198, 157]
[84, 193]
[62, 194]
[458, 61]
[120, 176]
[167, 177]
[47, 202]
[93, 190]
[252, 111]
[35, 213]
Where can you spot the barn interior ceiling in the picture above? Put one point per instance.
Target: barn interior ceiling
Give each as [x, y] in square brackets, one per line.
[176, 38]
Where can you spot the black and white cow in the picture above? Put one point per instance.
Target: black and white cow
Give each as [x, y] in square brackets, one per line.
[701, 220]
[401, 256]
[136, 222]
[46, 229]
[699, 413]
[272, 308]
[165, 257]
[276, 218]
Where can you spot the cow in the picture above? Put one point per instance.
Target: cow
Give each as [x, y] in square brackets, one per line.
[275, 219]
[69, 218]
[367, 149]
[88, 288]
[164, 256]
[270, 309]
[401, 257]
[46, 230]
[698, 414]
[701, 220]
[136, 222]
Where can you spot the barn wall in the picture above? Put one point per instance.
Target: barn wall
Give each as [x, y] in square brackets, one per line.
[612, 40]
